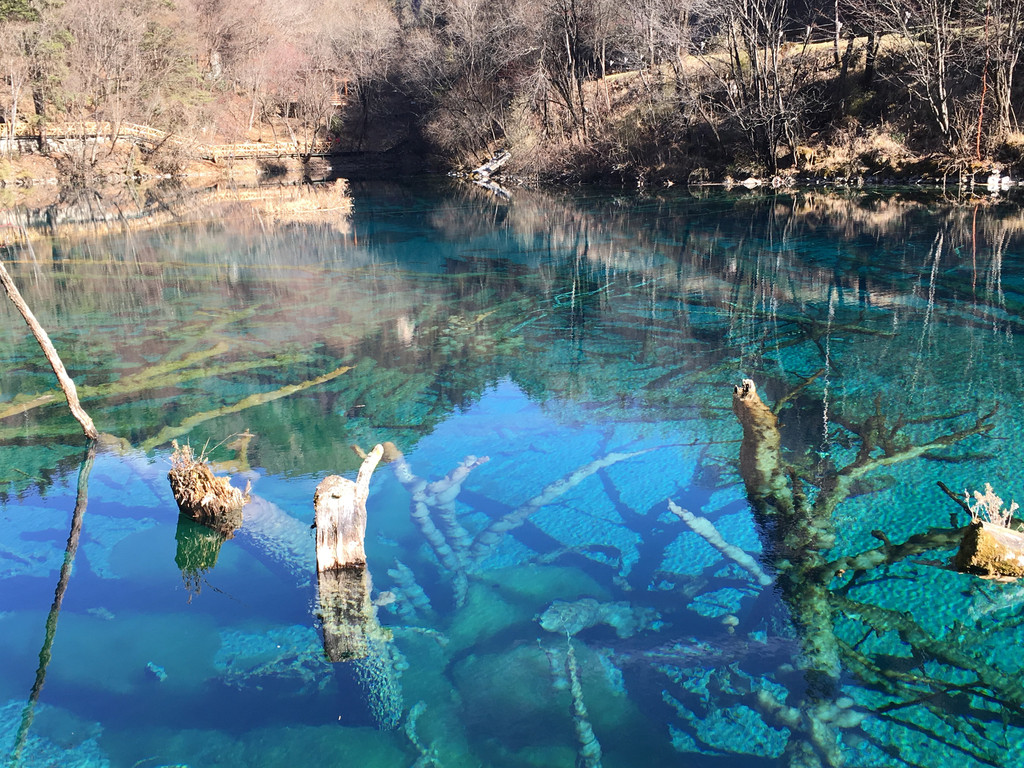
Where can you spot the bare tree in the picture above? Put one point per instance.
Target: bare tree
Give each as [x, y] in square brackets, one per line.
[1004, 30]
[15, 68]
[760, 74]
[933, 58]
[367, 46]
[567, 57]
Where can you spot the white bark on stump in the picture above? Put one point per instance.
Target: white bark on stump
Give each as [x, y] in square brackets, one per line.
[340, 518]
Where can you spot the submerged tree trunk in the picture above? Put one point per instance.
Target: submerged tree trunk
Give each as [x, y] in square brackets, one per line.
[761, 452]
[348, 615]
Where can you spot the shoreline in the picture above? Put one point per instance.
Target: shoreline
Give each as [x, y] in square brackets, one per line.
[33, 181]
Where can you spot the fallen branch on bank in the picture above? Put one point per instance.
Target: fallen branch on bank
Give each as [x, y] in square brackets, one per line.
[484, 171]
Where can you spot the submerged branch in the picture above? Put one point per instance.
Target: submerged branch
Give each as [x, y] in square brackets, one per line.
[707, 531]
[488, 538]
[168, 433]
[865, 463]
[888, 554]
[950, 652]
[796, 390]
[151, 377]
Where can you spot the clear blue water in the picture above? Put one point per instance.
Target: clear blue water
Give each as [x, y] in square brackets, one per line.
[586, 345]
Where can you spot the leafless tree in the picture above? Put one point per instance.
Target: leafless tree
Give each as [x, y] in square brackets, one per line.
[933, 58]
[367, 47]
[15, 68]
[760, 74]
[1004, 43]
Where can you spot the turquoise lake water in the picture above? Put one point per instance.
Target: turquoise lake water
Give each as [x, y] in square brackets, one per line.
[575, 355]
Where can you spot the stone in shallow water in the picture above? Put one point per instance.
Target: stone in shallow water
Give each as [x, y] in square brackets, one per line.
[573, 617]
[286, 652]
[503, 598]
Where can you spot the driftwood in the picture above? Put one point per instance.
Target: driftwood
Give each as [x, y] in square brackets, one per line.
[66, 382]
[340, 518]
[484, 171]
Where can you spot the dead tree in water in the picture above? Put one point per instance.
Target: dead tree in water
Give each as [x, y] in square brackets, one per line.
[343, 581]
[66, 382]
[201, 495]
[799, 530]
[340, 519]
[348, 614]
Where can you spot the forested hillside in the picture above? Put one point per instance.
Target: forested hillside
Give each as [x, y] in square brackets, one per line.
[635, 89]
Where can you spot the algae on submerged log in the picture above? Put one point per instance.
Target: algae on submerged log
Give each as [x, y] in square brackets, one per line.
[349, 617]
[799, 530]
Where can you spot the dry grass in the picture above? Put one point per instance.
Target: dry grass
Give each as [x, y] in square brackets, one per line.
[200, 494]
[988, 507]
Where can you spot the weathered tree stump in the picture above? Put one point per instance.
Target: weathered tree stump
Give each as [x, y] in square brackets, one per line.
[991, 550]
[343, 581]
[340, 518]
[203, 496]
